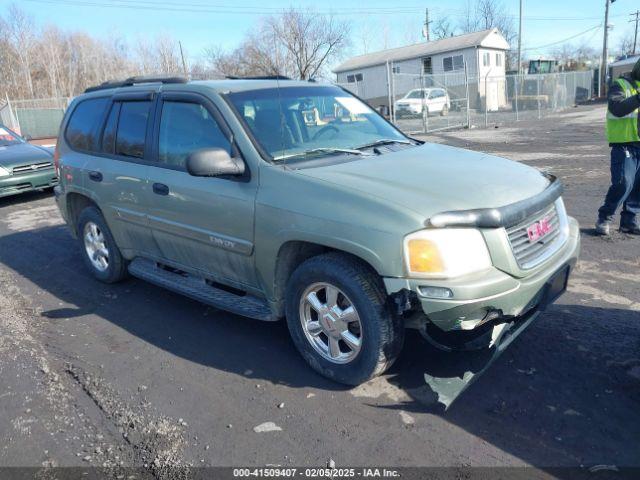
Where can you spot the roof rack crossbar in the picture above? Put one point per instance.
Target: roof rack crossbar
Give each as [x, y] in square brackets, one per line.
[135, 81]
[261, 77]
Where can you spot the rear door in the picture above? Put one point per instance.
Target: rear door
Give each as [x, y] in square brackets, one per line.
[117, 175]
[203, 224]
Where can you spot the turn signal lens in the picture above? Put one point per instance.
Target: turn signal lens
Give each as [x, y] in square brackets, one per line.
[424, 257]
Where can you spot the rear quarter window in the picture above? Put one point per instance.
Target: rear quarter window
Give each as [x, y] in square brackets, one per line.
[83, 128]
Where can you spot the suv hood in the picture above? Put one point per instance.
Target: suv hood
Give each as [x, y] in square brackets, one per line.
[434, 178]
[23, 154]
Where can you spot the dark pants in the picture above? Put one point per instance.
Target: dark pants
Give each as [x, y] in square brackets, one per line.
[625, 185]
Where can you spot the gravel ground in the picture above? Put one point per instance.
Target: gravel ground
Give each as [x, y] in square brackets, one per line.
[132, 375]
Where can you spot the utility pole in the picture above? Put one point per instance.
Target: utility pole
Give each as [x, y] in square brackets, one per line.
[605, 50]
[635, 38]
[426, 31]
[184, 64]
[520, 41]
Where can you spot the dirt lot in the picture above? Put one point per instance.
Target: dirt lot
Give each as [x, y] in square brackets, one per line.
[134, 375]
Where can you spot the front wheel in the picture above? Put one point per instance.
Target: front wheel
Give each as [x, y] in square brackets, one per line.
[445, 111]
[339, 319]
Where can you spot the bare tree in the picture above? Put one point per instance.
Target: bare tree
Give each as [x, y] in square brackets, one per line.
[486, 14]
[310, 40]
[443, 28]
[625, 46]
[21, 32]
[295, 44]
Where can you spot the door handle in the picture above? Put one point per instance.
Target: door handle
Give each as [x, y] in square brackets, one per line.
[160, 189]
[95, 176]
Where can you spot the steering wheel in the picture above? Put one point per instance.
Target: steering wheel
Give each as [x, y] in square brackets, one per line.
[325, 129]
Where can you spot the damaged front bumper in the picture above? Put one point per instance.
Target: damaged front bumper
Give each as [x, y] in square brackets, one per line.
[492, 296]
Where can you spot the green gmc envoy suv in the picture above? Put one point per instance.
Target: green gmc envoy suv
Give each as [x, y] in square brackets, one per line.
[272, 198]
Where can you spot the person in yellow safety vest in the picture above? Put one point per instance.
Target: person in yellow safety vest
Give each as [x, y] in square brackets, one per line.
[623, 134]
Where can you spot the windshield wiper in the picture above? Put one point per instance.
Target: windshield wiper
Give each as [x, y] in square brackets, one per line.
[327, 150]
[384, 141]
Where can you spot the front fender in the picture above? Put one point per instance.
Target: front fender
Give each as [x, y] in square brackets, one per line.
[381, 250]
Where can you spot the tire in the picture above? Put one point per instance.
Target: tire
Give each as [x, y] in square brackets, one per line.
[115, 269]
[445, 111]
[381, 333]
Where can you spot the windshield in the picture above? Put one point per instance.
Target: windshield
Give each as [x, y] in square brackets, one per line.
[298, 121]
[8, 138]
[416, 94]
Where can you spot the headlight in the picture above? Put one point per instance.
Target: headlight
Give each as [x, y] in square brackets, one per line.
[445, 253]
[4, 172]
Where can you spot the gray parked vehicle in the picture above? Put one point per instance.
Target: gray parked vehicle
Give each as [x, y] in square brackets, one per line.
[275, 199]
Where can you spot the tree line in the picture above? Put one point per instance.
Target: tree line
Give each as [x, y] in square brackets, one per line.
[50, 62]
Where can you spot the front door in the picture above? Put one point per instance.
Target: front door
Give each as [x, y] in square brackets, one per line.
[203, 223]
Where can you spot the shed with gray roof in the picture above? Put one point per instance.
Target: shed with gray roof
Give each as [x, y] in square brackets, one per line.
[481, 54]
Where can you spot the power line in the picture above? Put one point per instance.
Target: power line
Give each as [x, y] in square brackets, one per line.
[200, 7]
[540, 47]
[220, 9]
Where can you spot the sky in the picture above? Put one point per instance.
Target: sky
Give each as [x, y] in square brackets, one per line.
[376, 24]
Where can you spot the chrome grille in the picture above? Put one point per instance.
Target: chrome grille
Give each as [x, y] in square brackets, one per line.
[530, 254]
[34, 167]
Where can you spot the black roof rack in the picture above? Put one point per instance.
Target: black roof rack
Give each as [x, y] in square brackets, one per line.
[263, 77]
[134, 81]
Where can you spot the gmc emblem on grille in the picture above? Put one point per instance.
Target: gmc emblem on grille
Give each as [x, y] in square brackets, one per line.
[539, 229]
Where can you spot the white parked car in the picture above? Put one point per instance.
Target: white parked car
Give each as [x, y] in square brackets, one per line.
[423, 100]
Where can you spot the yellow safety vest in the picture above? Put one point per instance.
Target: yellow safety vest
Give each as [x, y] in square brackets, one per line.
[624, 129]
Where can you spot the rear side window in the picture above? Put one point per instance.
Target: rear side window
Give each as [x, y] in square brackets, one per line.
[84, 125]
[132, 129]
[185, 128]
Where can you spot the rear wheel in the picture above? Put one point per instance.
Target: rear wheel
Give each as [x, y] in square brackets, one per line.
[339, 319]
[445, 111]
[99, 250]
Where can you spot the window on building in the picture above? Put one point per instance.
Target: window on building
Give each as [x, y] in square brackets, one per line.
[486, 59]
[498, 59]
[185, 128]
[82, 132]
[396, 69]
[132, 129]
[453, 63]
[354, 78]
[427, 68]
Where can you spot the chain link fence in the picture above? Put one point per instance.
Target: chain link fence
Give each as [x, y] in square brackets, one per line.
[36, 118]
[415, 103]
[428, 103]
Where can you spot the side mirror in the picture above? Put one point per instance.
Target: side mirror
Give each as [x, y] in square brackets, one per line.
[28, 137]
[213, 162]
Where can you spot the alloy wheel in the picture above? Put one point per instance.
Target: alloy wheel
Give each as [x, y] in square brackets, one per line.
[96, 247]
[331, 323]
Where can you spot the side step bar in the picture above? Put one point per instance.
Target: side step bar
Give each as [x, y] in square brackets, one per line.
[198, 289]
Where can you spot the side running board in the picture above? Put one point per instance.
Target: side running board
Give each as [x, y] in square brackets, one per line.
[198, 289]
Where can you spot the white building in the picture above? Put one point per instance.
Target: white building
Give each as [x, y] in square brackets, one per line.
[439, 63]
